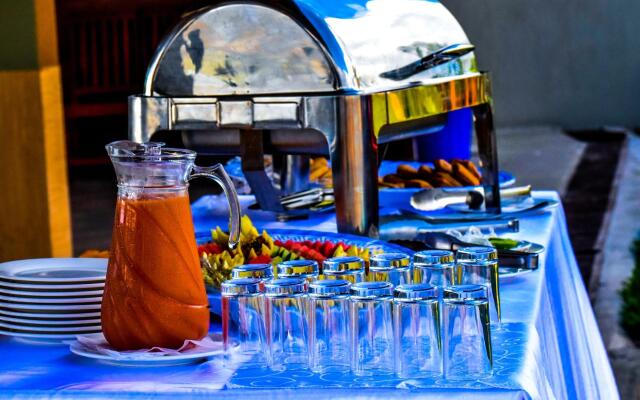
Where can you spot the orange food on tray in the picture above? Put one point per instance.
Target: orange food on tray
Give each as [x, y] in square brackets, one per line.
[94, 253]
[154, 304]
[444, 174]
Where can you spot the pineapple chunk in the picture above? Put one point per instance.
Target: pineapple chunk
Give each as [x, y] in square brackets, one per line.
[353, 251]
[221, 237]
[339, 252]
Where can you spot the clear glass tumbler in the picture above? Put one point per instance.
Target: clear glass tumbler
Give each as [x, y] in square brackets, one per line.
[390, 267]
[286, 324]
[416, 331]
[264, 272]
[347, 268]
[328, 318]
[305, 269]
[371, 333]
[243, 326]
[478, 265]
[435, 267]
[467, 333]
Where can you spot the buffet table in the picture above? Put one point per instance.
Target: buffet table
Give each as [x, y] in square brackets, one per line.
[549, 346]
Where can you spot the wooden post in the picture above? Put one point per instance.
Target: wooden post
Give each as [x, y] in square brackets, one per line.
[34, 199]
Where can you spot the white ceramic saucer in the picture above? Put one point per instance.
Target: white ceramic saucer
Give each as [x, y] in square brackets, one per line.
[47, 308]
[49, 329]
[49, 322]
[150, 361]
[39, 337]
[36, 288]
[49, 315]
[68, 294]
[19, 301]
[54, 271]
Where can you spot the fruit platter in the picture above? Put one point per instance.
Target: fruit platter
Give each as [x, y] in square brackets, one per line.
[278, 245]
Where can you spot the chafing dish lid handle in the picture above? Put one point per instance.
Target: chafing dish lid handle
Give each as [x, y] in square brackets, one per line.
[436, 58]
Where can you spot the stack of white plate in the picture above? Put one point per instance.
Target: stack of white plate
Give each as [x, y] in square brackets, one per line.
[51, 299]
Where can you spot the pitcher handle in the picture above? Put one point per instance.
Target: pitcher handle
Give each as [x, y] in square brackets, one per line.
[219, 175]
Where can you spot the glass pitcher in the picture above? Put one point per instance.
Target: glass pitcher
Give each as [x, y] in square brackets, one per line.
[154, 294]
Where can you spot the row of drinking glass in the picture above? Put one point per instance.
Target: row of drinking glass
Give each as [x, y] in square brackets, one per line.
[337, 324]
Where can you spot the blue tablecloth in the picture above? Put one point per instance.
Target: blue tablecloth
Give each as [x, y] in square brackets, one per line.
[549, 347]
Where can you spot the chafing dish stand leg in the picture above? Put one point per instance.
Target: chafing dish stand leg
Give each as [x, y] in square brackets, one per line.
[488, 153]
[354, 164]
[252, 149]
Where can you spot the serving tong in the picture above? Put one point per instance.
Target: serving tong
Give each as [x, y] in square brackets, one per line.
[298, 205]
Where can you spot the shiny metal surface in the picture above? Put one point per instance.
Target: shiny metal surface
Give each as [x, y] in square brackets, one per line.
[431, 60]
[245, 48]
[307, 77]
[366, 38]
[239, 49]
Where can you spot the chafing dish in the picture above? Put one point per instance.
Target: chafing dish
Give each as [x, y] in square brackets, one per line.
[315, 77]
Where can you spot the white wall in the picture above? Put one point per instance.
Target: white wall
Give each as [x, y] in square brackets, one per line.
[573, 63]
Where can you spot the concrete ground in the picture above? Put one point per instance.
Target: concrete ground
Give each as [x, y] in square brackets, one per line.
[541, 156]
[617, 264]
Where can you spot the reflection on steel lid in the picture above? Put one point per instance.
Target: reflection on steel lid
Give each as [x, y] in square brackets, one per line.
[305, 46]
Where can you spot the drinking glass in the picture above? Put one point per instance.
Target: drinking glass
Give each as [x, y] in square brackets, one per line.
[390, 267]
[347, 268]
[478, 265]
[467, 332]
[328, 312]
[243, 326]
[263, 272]
[371, 328]
[434, 267]
[416, 331]
[286, 324]
[304, 269]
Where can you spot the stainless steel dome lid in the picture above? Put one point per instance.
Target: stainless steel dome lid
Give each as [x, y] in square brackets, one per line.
[308, 46]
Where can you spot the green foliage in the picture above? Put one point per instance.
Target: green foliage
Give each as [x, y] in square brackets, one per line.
[630, 312]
